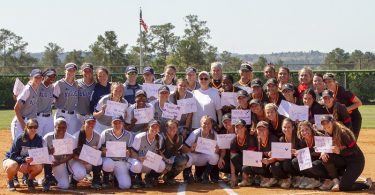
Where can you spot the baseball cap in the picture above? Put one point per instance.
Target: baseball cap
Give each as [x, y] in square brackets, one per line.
[163, 88]
[256, 83]
[35, 72]
[90, 118]
[326, 118]
[246, 66]
[226, 116]
[271, 81]
[87, 65]
[148, 69]
[118, 118]
[262, 124]
[70, 66]
[190, 69]
[205, 73]
[140, 92]
[242, 93]
[255, 101]
[287, 86]
[240, 122]
[153, 121]
[130, 69]
[326, 93]
[329, 76]
[49, 72]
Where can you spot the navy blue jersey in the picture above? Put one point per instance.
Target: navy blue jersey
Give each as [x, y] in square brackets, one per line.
[21, 145]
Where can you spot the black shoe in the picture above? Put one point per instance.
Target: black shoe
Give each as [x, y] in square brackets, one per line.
[73, 183]
[25, 177]
[53, 181]
[105, 183]
[16, 182]
[46, 186]
[11, 186]
[30, 185]
[96, 186]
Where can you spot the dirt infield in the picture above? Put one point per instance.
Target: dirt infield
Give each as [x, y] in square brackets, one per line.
[366, 142]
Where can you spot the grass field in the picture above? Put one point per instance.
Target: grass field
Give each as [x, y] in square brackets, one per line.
[368, 117]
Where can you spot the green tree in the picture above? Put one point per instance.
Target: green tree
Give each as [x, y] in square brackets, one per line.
[51, 54]
[106, 50]
[231, 63]
[147, 51]
[13, 50]
[262, 62]
[337, 56]
[164, 41]
[75, 56]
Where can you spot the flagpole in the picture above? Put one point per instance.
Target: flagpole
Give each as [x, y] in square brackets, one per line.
[140, 42]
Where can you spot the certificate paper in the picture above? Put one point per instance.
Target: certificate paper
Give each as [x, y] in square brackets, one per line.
[252, 158]
[115, 108]
[293, 111]
[224, 140]
[229, 99]
[152, 160]
[115, 149]
[171, 111]
[281, 150]
[18, 87]
[323, 144]
[304, 158]
[143, 115]
[241, 114]
[91, 155]
[40, 156]
[62, 146]
[188, 105]
[205, 146]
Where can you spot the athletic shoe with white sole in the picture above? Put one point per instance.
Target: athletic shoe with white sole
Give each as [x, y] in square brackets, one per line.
[286, 183]
[327, 185]
[271, 182]
[313, 184]
[305, 181]
[336, 185]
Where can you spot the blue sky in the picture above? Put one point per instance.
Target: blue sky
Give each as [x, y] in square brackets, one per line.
[240, 26]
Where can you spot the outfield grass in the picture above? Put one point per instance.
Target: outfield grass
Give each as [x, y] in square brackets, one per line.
[368, 117]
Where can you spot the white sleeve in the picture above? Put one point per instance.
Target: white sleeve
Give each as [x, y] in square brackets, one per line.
[136, 142]
[191, 139]
[101, 140]
[99, 105]
[24, 94]
[217, 100]
[56, 89]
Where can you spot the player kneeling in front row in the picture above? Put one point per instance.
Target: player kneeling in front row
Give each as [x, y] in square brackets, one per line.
[78, 168]
[17, 158]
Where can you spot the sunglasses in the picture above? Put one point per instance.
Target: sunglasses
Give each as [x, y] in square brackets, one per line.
[203, 79]
[132, 73]
[32, 127]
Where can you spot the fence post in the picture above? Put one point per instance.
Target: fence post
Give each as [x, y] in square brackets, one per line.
[345, 80]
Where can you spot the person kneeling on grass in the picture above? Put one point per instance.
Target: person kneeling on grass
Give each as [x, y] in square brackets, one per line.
[17, 158]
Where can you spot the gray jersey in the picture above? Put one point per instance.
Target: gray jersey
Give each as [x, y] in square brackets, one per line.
[93, 141]
[157, 116]
[48, 143]
[172, 99]
[29, 97]
[104, 119]
[141, 144]
[84, 95]
[66, 95]
[45, 99]
[108, 135]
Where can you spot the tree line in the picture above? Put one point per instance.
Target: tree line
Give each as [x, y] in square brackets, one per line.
[160, 46]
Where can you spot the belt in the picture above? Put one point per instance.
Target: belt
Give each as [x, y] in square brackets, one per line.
[44, 114]
[67, 112]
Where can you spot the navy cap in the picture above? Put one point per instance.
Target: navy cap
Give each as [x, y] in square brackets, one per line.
[326, 93]
[262, 124]
[242, 93]
[246, 67]
[118, 118]
[256, 83]
[70, 66]
[87, 65]
[329, 76]
[163, 88]
[140, 92]
[153, 121]
[287, 86]
[35, 72]
[90, 118]
[226, 116]
[255, 101]
[148, 69]
[190, 69]
[240, 122]
[130, 69]
[49, 72]
[326, 118]
[271, 81]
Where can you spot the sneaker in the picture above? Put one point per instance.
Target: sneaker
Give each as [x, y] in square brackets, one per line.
[271, 182]
[297, 181]
[305, 181]
[368, 182]
[53, 181]
[46, 186]
[96, 186]
[286, 183]
[11, 186]
[73, 183]
[264, 181]
[226, 177]
[336, 185]
[16, 182]
[313, 184]
[30, 184]
[245, 182]
[25, 177]
[327, 185]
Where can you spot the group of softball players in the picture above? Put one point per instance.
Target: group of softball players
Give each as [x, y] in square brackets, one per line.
[82, 116]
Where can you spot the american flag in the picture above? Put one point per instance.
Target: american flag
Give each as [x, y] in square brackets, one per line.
[143, 23]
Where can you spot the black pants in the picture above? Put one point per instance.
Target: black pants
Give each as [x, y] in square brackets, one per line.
[263, 171]
[288, 168]
[334, 164]
[226, 168]
[277, 171]
[354, 167]
[236, 160]
[356, 123]
[317, 170]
